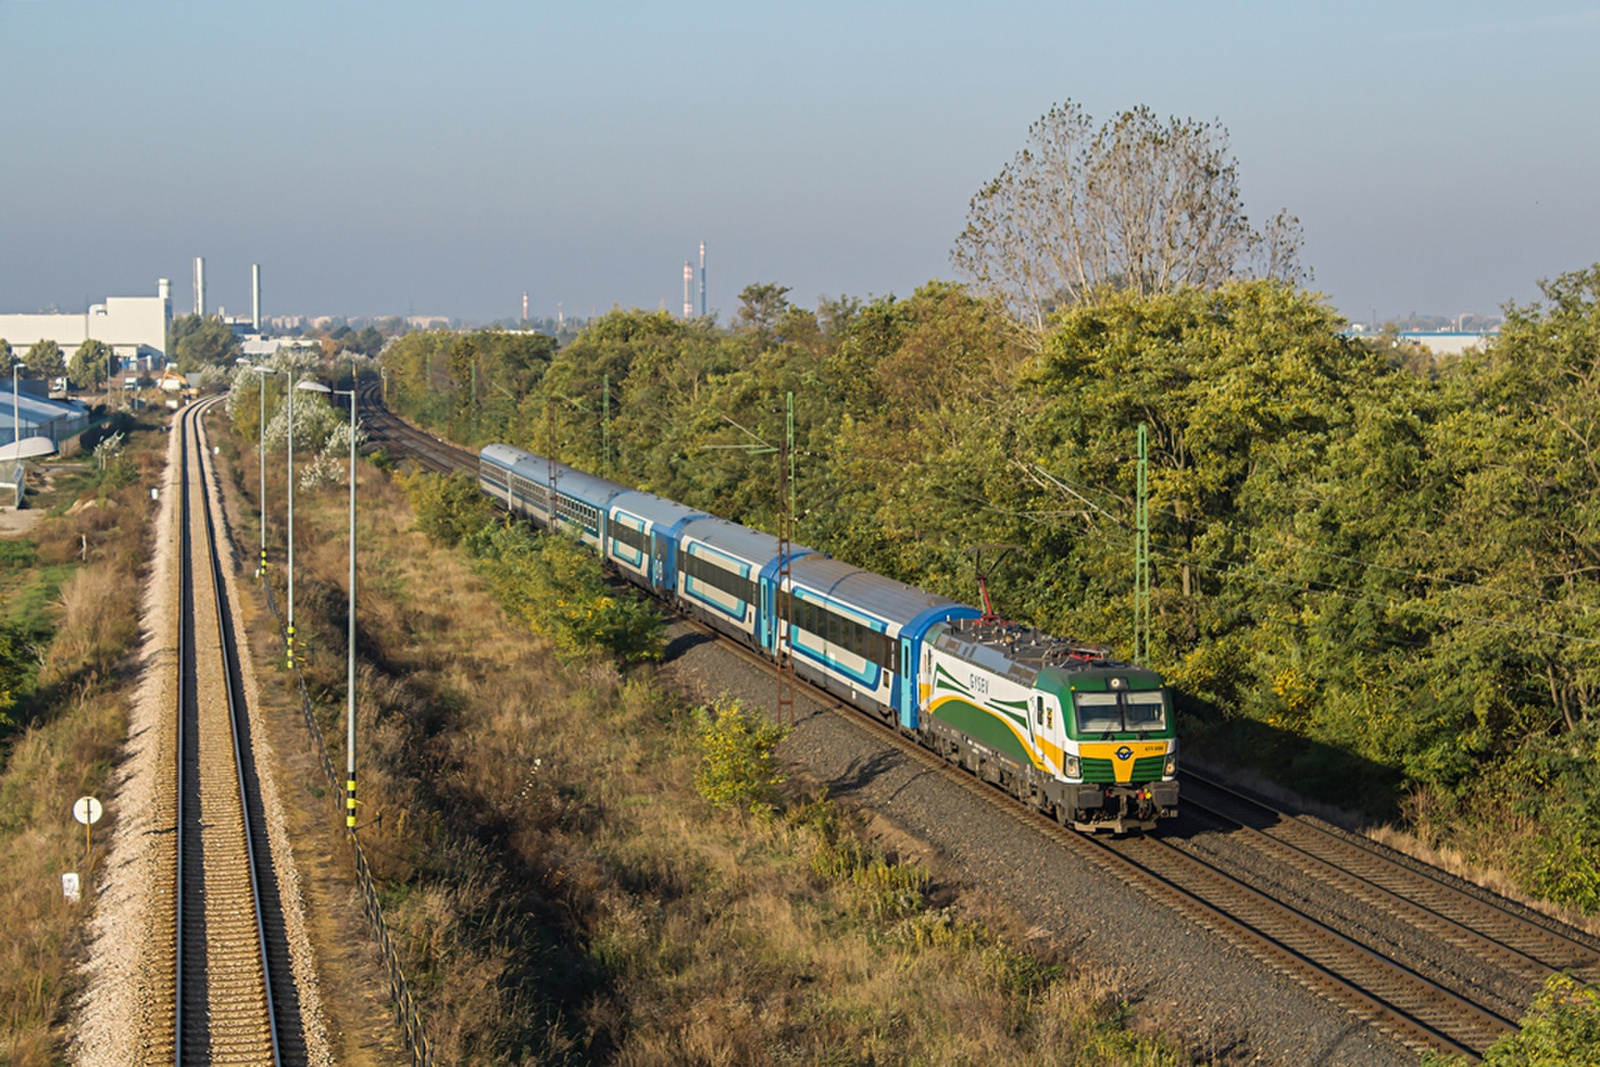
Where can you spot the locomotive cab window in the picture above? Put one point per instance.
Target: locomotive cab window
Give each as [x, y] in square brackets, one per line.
[1098, 713]
[1145, 711]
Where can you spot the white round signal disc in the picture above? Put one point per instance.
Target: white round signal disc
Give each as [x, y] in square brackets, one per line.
[87, 810]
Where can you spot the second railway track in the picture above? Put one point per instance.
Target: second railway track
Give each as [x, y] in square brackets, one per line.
[1424, 1007]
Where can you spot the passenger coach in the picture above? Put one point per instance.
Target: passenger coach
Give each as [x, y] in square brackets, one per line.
[1060, 725]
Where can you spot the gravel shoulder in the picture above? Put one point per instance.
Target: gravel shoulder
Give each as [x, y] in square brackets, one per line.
[118, 1016]
[1223, 1005]
[113, 1016]
[357, 1024]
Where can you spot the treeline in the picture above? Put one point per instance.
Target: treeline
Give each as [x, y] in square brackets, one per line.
[1374, 577]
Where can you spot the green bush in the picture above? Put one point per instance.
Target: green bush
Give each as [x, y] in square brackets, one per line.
[17, 660]
[119, 473]
[448, 507]
[737, 768]
[1561, 1029]
[556, 586]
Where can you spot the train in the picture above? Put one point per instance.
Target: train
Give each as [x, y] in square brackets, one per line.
[1062, 726]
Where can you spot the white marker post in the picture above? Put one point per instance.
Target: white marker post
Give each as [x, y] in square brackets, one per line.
[87, 810]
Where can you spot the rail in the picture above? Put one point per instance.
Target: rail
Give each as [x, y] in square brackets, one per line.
[1416, 1010]
[212, 849]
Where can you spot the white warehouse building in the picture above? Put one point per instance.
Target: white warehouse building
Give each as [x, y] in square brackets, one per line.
[134, 326]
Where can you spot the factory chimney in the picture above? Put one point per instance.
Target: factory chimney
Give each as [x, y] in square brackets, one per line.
[524, 305]
[200, 285]
[702, 279]
[688, 280]
[255, 297]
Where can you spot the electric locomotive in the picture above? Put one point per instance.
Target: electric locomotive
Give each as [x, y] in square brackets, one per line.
[1062, 726]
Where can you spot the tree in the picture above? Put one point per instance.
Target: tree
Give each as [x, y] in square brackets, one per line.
[5, 354]
[1136, 205]
[91, 363]
[198, 342]
[44, 360]
[368, 342]
[761, 305]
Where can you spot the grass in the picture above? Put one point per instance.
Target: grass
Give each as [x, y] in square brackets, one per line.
[70, 722]
[564, 894]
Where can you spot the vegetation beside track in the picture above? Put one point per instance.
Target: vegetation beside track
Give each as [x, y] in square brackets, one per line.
[1373, 571]
[563, 892]
[70, 589]
[1561, 1029]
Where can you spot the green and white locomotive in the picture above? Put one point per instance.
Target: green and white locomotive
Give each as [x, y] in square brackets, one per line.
[1061, 726]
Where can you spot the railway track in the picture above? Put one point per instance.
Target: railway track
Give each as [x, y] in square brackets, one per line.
[223, 941]
[1424, 1007]
[1478, 924]
[400, 438]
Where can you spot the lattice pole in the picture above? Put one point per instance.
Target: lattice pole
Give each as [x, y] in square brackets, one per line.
[1141, 560]
[550, 447]
[786, 683]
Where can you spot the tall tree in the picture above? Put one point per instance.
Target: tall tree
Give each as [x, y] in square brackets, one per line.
[198, 342]
[91, 363]
[1137, 205]
[44, 360]
[761, 305]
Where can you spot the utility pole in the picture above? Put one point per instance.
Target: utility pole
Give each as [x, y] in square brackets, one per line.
[550, 447]
[605, 425]
[786, 683]
[783, 595]
[1141, 553]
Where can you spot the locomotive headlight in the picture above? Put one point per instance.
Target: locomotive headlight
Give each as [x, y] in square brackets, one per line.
[1171, 766]
[1071, 767]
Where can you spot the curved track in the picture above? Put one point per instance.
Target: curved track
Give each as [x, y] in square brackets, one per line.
[223, 1008]
[402, 440]
[1425, 1007]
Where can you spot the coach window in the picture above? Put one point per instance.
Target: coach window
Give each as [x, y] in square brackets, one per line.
[1038, 710]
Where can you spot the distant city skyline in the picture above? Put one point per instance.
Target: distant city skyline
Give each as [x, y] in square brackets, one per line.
[410, 159]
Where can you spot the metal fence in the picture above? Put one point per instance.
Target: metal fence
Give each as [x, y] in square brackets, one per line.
[407, 1014]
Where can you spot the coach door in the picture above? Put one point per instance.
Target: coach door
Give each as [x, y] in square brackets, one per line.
[905, 691]
[769, 614]
[660, 573]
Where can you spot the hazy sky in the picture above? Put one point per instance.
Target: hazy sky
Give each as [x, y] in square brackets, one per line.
[392, 158]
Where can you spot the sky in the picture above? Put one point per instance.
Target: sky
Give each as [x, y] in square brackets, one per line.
[383, 158]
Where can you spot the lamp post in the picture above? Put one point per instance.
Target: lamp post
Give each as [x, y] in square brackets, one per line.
[261, 504]
[288, 641]
[310, 387]
[350, 656]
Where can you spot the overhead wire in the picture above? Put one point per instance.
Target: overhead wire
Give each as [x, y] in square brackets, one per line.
[1322, 586]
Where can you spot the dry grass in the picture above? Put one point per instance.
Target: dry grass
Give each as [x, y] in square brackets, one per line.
[1474, 849]
[98, 620]
[564, 895]
[41, 935]
[76, 719]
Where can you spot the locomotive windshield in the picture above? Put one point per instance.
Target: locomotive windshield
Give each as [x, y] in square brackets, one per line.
[1102, 713]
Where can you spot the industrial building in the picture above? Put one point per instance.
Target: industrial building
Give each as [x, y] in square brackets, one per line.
[134, 326]
[27, 412]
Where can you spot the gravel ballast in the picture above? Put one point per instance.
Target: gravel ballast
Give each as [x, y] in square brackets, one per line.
[1186, 983]
[120, 1014]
